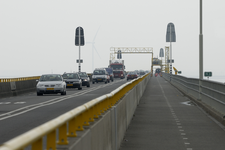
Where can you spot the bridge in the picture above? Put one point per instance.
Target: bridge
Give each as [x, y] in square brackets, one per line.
[145, 113]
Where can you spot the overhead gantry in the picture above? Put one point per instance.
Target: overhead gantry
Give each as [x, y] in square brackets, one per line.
[131, 50]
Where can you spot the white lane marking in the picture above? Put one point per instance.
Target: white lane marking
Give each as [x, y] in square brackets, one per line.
[4, 103]
[53, 101]
[182, 134]
[181, 130]
[185, 138]
[19, 102]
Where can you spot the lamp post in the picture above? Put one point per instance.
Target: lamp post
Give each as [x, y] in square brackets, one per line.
[200, 53]
[200, 45]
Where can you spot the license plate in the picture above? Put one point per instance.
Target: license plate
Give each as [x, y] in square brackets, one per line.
[99, 79]
[69, 85]
[50, 89]
[132, 76]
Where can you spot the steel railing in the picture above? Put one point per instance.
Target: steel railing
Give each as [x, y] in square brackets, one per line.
[210, 92]
[70, 122]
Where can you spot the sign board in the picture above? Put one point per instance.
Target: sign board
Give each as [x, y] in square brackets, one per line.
[179, 72]
[79, 34]
[119, 54]
[168, 61]
[170, 33]
[81, 61]
[161, 53]
[208, 74]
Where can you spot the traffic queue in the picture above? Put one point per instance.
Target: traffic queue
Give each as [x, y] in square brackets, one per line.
[57, 83]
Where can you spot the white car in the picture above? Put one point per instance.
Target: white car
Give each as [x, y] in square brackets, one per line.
[51, 83]
[100, 75]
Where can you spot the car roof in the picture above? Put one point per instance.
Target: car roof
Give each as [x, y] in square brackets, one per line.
[51, 74]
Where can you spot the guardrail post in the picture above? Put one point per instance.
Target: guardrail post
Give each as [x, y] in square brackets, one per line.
[91, 119]
[63, 135]
[37, 145]
[72, 128]
[80, 122]
[51, 140]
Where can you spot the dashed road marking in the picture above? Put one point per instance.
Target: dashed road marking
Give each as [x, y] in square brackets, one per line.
[5, 103]
[19, 102]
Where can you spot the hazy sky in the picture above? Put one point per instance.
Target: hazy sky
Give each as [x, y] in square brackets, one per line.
[37, 37]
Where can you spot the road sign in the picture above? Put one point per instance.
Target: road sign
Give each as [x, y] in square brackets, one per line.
[119, 54]
[81, 61]
[79, 34]
[208, 74]
[161, 53]
[179, 72]
[168, 61]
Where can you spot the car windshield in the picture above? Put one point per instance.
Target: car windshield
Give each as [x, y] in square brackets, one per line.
[70, 76]
[82, 74]
[51, 78]
[99, 72]
[109, 70]
[116, 67]
[132, 73]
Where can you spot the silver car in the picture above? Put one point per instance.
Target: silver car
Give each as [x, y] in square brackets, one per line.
[51, 83]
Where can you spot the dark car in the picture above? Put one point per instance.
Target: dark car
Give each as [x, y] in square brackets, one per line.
[85, 79]
[72, 80]
[110, 72]
[131, 75]
[142, 73]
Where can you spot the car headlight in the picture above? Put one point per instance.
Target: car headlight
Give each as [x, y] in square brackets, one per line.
[85, 79]
[40, 85]
[59, 85]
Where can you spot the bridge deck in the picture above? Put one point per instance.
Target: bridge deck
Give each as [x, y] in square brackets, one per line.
[164, 121]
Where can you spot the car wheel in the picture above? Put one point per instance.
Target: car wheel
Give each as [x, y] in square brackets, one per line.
[39, 94]
[106, 82]
[88, 85]
[80, 88]
[93, 82]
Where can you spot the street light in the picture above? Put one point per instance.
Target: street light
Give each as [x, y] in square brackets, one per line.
[200, 45]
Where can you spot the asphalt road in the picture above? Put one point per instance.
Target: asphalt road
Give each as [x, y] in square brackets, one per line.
[25, 112]
[167, 120]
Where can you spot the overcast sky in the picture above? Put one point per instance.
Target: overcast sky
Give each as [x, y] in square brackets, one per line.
[37, 37]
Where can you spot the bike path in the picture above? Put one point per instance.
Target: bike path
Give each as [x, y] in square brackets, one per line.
[167, 120]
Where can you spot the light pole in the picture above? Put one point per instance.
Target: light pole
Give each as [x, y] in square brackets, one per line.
[200, 53]
[200, 45]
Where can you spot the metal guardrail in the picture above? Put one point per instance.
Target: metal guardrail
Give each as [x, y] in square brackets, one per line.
[211, 93]
[18, 79]
[70, 122]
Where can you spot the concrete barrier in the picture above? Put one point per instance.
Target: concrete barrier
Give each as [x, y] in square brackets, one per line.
[17, 87]
[107, 132]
